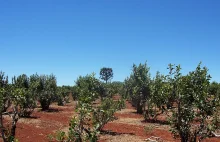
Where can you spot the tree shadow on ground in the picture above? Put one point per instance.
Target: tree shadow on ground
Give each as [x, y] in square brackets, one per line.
[51, 110]
[114, 133]
[30, 117]
[162, 122]
[135, 112]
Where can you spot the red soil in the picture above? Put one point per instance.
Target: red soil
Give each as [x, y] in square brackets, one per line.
[128, 115]
[37, 128]
[128, 105]
[138, 130]
[41, 124]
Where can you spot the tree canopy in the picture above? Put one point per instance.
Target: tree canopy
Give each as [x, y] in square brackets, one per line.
[106, 74]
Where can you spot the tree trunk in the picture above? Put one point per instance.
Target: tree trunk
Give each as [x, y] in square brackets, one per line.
[183, 135]
[139, 108]
[184, 139]
[14, 121]
[13, 128]
[45, 104]
[2, 129]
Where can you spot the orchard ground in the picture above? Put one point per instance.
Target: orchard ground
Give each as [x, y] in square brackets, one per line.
[128, 126]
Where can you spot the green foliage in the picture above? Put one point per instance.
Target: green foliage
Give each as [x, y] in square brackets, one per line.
[60, 136]
[214, 88]
[69, 93]
[5, 93]
[87, 88]
[91, 118]
[14, 95]
[149, 128]
[110, 89]
[106, 74]
[215, 96]
[74, 92]
[44, 87]
[104, 90]
[48, 94]
[115, 88]
[62, 95]
[8, 98]
[105, 112]
[88, 124]
[138, 86]
[26, 102]
[128, 87]
[158, 97]
[194, 104]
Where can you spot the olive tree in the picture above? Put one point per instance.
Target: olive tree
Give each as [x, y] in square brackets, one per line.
[87, 88]
[158, 97]
[142, 82]
[3, 91]
[48, 94]
[91, 118]
[115, 87]
[62, 96]
[28, 102]
[214, 87]
[194, 105]
[138, 86]
[128, 88]
[44, 87]
[14, 95]
[6, 101]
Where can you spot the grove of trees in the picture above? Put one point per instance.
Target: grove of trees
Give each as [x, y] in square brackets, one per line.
[190, 102]
[20, 98]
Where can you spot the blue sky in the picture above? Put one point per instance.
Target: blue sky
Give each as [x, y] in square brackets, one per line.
[76, 37]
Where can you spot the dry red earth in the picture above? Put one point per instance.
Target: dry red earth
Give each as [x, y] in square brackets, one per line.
[129, 126]
[41, 124]
[130, 123]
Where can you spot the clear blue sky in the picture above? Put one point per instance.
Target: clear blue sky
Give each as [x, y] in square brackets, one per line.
[76, 37]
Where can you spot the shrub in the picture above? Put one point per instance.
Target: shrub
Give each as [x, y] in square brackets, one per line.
[5, 94]
[138, 86]
[91, 118]
[44, 87]
[27, 102]
[62, 96]
[194, 103]
[14, 94]
[87, 88]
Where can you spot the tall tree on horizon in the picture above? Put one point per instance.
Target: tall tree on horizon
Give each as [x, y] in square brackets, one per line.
[106, 74]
